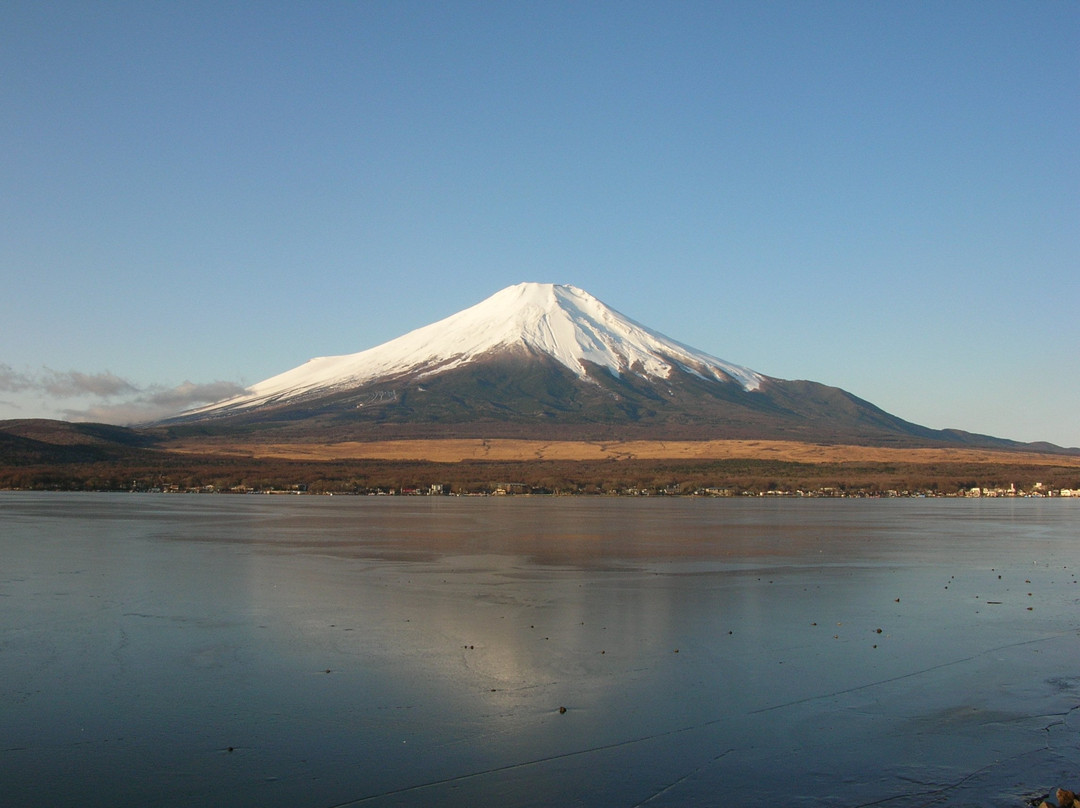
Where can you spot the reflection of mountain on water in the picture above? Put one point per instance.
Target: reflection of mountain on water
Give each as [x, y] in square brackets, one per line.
[285, 651]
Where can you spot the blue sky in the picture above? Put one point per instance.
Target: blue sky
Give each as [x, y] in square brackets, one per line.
[879, 196]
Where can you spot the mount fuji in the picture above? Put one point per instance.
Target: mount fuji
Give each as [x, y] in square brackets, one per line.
[548, 361]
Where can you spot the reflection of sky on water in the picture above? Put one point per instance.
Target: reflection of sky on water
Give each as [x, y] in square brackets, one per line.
[700, 648]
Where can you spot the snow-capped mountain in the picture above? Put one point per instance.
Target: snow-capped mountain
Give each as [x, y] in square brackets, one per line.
[561, 322]
[544, 360]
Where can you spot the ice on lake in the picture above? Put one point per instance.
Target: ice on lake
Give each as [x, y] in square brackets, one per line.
[308, 651]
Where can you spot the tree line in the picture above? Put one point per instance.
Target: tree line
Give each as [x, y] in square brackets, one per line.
[734, 476]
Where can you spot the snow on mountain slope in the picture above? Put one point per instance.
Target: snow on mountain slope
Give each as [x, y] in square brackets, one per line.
[563, 322]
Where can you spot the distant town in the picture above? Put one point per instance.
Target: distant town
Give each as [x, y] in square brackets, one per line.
[674, 490]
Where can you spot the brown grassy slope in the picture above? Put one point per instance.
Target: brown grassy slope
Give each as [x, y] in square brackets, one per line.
[151, 468]
[58, 455]
[505, 449]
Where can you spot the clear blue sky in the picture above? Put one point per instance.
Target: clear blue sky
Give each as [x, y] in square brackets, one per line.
[879, 196]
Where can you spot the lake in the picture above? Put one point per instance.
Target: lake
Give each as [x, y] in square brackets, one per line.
[200, 650]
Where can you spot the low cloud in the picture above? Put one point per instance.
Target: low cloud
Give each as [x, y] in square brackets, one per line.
[190, 394]
[155, 403]
[120, 400]
[69, 384]
[73, 384]
[12, 381]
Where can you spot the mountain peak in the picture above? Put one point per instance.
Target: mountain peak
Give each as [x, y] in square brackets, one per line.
[551, 361]
[562, 322]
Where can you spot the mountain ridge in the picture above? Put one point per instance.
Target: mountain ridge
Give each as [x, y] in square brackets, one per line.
[553, 361]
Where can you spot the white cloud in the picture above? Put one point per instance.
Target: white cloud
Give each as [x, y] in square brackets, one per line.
[12, 381]
[73, 383]
[68, 384]
[189, 394]
[155, 403]
[105, 397]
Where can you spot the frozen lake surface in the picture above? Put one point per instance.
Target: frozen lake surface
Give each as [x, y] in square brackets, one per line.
[306, 651]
